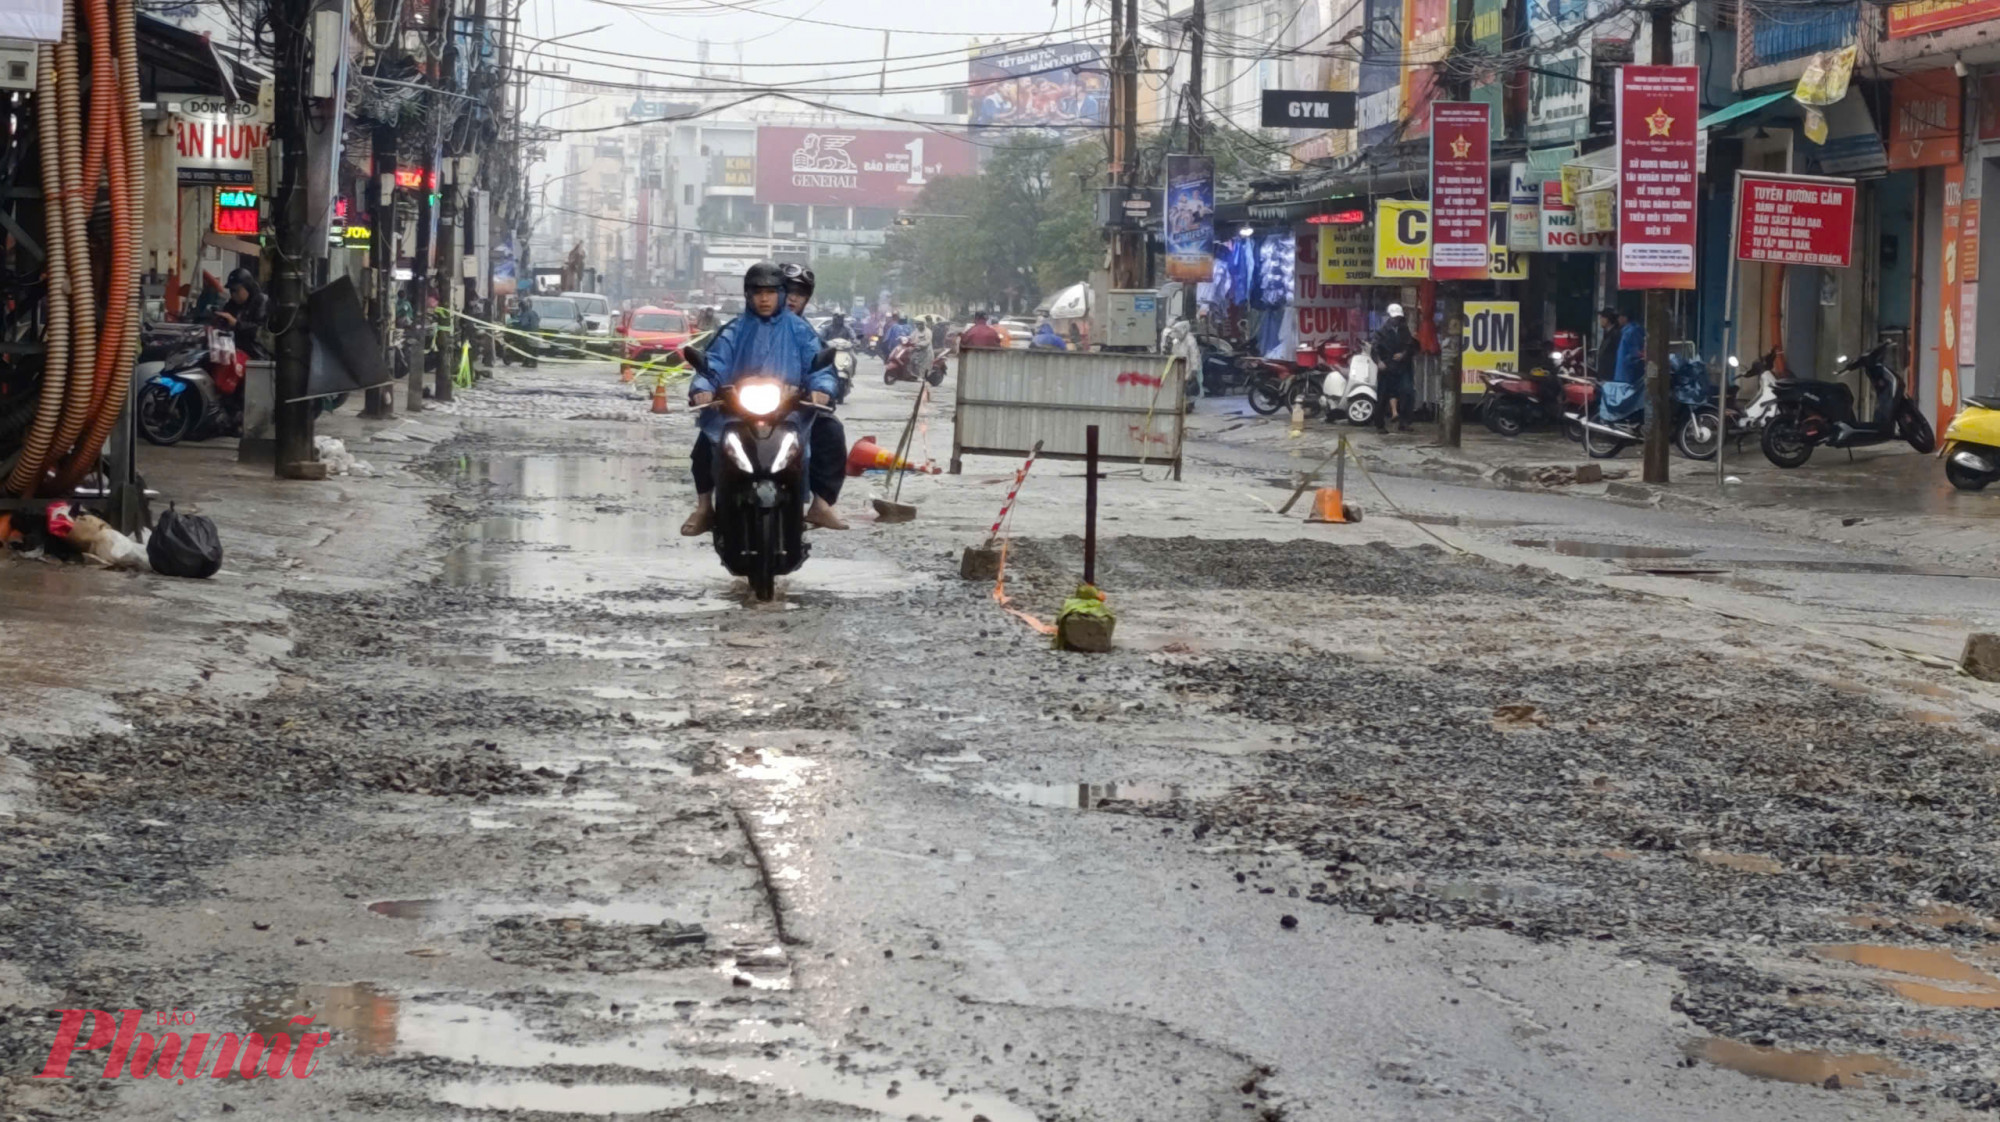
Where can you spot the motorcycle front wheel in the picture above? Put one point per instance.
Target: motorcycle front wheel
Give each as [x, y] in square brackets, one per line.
[764, 567]
[1964, 478]
[1911, 426]
[166, 418]
[1360, 411]
[1699, 434]
[1784, 443]
[1265, 397]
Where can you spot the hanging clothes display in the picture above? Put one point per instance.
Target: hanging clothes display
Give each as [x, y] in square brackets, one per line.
[1242, 270]
[1277, 265]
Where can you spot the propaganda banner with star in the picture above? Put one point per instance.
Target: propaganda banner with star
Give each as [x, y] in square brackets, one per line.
[1657, 107]
[1461, 183]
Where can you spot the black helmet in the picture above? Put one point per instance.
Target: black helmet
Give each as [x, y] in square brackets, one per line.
[799, 279]
[764, 274]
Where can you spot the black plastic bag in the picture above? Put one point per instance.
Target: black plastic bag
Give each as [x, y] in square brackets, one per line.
[184, 545]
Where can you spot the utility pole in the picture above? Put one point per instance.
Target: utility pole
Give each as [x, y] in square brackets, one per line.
[382, 254]
[1452, 347]
[1197, 41]
[1659, 306]
[417, 343]
[1132, 247]
[293, 416]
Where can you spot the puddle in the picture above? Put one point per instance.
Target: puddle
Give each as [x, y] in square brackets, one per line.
[469, 1034]
[1571, 548]
[762, 765]
[1867, 567]
[447, 913]
[1938, 966]
[1854, 1069]
[1931, 717]
[1092, 796]
[362, 1018]
[576, 1098]
[1741, 862]
[1456, 520]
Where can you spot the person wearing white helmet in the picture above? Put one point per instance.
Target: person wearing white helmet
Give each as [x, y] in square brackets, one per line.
[1395, 351]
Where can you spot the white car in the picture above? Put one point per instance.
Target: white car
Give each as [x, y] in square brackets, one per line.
[596, 309]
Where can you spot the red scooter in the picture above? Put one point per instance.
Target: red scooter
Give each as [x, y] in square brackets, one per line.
[1515, 403]
[898, 368]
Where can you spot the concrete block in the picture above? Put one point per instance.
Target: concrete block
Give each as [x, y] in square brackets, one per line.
[979, 564]
[1589, 473]
[1089, 633]
[1982, 656]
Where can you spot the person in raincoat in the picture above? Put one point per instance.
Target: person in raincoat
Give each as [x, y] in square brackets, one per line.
[245, 313]
[1046, 338]
[767, 340]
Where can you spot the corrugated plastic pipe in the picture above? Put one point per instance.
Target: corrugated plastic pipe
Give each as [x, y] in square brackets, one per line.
[55, 365]
[76, 207]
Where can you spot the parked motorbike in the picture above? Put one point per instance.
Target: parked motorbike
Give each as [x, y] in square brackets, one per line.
[1617, 415]
[1811, 413]
[193, 393]
[1515, 403]
[1971, 448]
[760, 480]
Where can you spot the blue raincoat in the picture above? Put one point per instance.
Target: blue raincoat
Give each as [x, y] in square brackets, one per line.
[1623, 395]
[781, 347]
[1046, 337]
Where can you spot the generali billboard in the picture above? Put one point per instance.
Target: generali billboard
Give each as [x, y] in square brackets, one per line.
[854, 167]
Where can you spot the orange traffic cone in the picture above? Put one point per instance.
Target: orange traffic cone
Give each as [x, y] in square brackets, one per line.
[866, 455]
[627, 372]
[1328, 506]
[660, 396]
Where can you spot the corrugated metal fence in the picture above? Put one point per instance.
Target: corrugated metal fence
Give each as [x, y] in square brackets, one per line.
[1008, 400]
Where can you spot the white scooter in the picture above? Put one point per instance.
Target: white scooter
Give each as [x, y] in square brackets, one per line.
[1348, 385]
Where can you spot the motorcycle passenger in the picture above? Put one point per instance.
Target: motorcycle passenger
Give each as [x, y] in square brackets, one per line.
[766, 339]
[980, 335]
[245, 312]
[1394, 350]
[828, 463]
[836, 328]
[1046, 338]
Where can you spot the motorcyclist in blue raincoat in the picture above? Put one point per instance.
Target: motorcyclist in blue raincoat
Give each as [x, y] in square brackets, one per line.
[766, 340]
[826, 463]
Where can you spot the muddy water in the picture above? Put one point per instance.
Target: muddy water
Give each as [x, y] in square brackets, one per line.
[1816, 1068]
[1571, 548]
[1966, 986]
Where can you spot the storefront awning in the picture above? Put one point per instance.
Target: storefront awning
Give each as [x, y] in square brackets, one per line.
[1742, 108]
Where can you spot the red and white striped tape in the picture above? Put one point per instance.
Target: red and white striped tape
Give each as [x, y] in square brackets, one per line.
[1008, 506]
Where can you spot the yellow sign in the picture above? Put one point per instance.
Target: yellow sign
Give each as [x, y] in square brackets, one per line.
[1347, 256]
[1575, 177]
[1402, 238]
[1492, 336]
[1403, 242]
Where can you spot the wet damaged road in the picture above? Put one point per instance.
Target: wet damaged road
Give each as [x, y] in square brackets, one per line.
[566, 828]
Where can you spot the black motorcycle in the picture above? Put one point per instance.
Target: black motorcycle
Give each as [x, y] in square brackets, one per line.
[1811, 413]
[760, 476]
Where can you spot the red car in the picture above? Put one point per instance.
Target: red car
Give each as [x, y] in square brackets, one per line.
[652, 332]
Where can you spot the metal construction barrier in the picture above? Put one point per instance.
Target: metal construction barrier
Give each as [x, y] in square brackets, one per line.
[1009, 400]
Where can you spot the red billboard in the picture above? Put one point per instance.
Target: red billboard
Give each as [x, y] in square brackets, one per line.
[1795, 220]
[1461, 184]
[1657, 107]
[1924, 114]
[854, 167]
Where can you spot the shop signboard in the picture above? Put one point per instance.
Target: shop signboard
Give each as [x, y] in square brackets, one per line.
[1562, 227]
[1190, 219]
[1989, 107]
[1347, 256]
[1403, 242]
[217, 140]
[1794, 220]
[1492, 336]
[1949, 292]
[1324, 310]
[1402, 238]
[1489, 86]
[1920, 17]
[1427, 43]
[854, 167]
[1460, 190]
[1656, 110]
[739, 171]
[1057, 85]
[1924, 120]
[1524, 211]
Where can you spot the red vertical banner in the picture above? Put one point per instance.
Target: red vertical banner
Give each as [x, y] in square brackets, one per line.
[1657, 107]
[1461, 181]
[1948, 291]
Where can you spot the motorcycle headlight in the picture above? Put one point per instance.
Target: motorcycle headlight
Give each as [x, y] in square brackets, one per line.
[760, 399]
[788, 451]
[733, 446]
